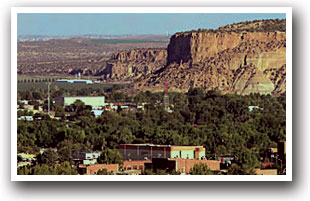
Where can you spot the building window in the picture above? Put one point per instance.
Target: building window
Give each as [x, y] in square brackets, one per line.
[135, 167]
[128, 167]
[140, 167]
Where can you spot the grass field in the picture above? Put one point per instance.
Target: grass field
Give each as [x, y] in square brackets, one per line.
[67, 86]
[116, 41]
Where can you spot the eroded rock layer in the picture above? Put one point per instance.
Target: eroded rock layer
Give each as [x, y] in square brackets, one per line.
[250, 59]
[132, 64]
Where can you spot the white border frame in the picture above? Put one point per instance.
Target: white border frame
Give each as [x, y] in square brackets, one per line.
[286, 10]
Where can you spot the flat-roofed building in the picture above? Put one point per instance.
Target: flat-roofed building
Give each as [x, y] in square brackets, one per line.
[266, 171]
[149, 151]
[94, 101]
[85, 158]
[181, 165]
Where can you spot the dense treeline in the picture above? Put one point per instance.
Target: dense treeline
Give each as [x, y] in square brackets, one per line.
[39, 92]
[44, 169]
[222, 123]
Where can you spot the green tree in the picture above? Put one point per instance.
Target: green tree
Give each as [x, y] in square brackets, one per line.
[235, 169]
[64, 168]
[48, 157]
[60, 112]
[110, 156]
[200, 169]
[42, 169]
[247, 162]
[65, 154]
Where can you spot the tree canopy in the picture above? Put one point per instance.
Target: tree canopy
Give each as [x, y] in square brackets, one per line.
[223, 124]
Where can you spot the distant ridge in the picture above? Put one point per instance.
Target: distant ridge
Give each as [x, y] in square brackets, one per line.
[22, 38]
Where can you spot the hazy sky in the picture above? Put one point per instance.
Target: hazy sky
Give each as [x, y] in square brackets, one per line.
[117, 24]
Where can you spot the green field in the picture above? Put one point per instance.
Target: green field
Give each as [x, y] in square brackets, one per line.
[116, 41]
[66, 86]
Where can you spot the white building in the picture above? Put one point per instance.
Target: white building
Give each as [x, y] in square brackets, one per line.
[97, 112]
[252, 107]
[94, 101]
[26, 118]
[86, 158]
[76, 81]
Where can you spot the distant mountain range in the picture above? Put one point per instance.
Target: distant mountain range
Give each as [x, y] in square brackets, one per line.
[23, 38]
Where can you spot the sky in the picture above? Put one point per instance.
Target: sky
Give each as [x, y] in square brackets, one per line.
[58, 24]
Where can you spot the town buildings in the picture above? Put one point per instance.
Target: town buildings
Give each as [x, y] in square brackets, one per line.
[26, 118]
[94, 101]
[25, 159]
[165, 157]
[85, 158]
[139, 157]
[181, 165]
[76, 81]
[149, 151]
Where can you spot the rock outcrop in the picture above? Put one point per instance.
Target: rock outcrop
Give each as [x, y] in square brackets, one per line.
[242, 58]
[199, 46]
[133, 64]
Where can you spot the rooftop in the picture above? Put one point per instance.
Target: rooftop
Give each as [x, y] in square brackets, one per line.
[159, 145]
[149, 145]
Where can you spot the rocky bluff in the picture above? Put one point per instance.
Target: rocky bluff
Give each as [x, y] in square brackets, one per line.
[133, 64]
[243, 58]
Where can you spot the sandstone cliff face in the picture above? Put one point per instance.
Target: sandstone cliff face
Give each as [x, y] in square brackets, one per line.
[198, 46]
[133, 64]
[240, 62]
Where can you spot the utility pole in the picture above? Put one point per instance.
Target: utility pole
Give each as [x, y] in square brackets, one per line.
[166, 97]
[48, 98]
